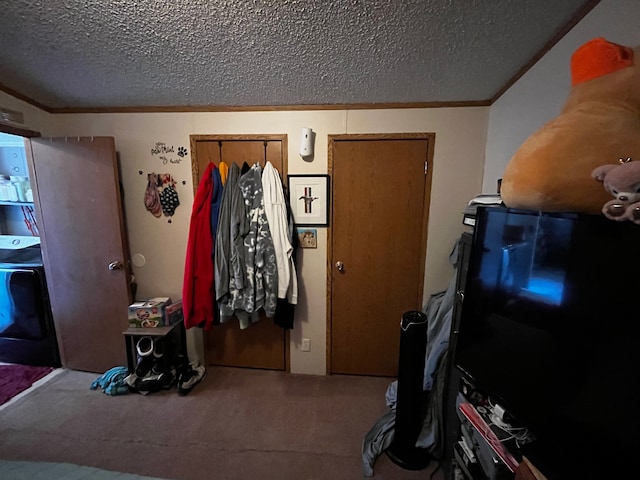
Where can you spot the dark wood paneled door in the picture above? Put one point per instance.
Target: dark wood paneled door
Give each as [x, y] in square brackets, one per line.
[84, 247]
[263, 344]
[381, 187]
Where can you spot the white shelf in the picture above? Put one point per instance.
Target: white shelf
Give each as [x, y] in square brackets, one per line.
[14, 242]
[15, 204]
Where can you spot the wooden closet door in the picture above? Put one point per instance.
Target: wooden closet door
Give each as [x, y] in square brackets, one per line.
[84, 247]
[381, 190]
[263, 344]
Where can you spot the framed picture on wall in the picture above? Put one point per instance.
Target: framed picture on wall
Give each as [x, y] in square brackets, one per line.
[307, 237]
[309, 199]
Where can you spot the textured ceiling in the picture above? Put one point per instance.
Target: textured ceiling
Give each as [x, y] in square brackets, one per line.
[162, 53]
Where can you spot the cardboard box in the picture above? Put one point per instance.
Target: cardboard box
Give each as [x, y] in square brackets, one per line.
[173, 314]
[148, 313]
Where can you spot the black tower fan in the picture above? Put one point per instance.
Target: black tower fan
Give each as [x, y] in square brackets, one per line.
[411, 398]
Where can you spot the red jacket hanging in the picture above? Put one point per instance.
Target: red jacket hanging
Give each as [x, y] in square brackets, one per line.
[198, 292]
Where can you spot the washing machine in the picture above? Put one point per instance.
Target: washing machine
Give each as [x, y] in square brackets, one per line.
[27, 332]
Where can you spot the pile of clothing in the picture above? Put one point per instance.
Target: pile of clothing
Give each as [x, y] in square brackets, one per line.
[439, 313]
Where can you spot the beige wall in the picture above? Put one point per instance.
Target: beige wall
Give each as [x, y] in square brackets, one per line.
[457, 176]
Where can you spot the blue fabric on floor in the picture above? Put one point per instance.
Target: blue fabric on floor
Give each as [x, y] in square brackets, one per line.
[112, 382]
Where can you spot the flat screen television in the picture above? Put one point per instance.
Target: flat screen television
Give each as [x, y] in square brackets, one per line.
[549, 330]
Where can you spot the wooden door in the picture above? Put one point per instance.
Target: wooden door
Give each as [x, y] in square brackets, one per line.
[380, 200]
[79, 212]
[264, 344]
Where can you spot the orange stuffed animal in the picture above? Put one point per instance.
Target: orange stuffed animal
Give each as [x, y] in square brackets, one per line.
[600, 122]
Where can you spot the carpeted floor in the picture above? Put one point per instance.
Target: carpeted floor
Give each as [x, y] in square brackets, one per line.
[237, 424]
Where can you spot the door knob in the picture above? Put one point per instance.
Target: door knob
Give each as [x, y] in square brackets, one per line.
[115, 265]
[340, 266]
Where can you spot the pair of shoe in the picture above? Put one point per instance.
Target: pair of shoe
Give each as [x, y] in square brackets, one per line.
[189, 377]
[150, 356]
[148, 346]
[152, 371]
[153, 382]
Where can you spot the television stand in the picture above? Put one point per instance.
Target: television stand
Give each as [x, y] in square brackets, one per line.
[493, 456]
[487, 446]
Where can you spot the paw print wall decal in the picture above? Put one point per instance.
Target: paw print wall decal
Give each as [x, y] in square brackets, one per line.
[182, 152]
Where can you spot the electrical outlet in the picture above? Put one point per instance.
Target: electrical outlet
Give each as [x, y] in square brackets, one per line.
[306, 345]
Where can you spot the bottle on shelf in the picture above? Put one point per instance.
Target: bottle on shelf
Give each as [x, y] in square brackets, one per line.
[15, 189]
[8, 192]
[21, 184]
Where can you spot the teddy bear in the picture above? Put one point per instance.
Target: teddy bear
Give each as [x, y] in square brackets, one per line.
[551, 170]
[623, 182]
